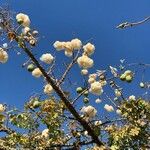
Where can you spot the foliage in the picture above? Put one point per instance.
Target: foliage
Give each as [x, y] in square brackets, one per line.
[135, 133]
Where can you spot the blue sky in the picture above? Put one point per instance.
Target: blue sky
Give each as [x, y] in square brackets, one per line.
[85, 19]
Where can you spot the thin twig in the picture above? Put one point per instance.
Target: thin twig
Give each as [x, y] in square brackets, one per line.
[6, 130]
[68, 69]
[110, 121]
[71, 145]
[111, 100]
[131, 24]
[79, 96]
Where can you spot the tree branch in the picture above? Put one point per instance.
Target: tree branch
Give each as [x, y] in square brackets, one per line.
[61, 94]
[82, 143]
[68, 69]
[6, 130]
[73, 102]
[131, 24]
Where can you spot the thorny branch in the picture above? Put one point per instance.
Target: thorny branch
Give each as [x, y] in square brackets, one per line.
[63, 98]
[132, 24]
[56, 87]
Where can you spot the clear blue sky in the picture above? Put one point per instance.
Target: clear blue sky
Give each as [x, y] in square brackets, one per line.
[85, 19]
